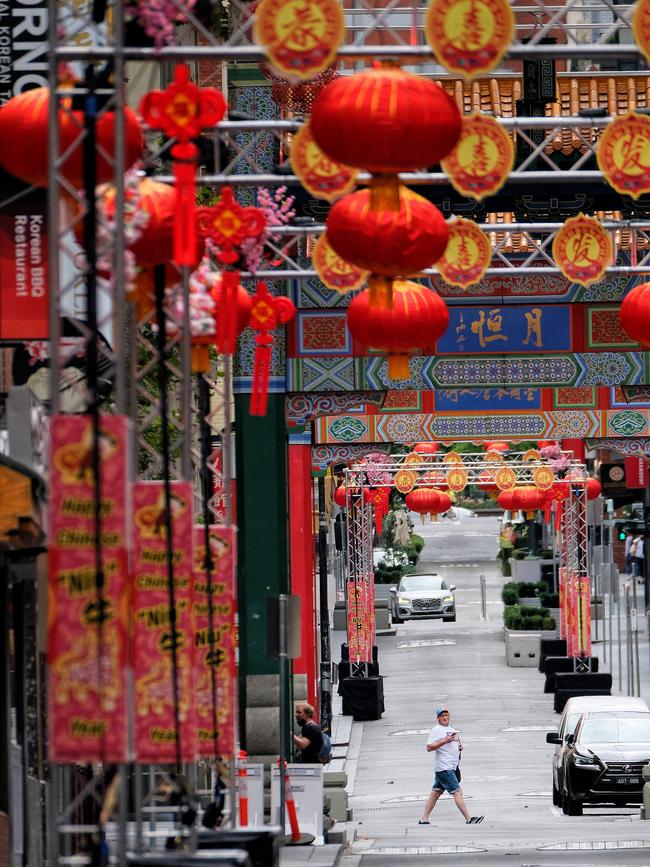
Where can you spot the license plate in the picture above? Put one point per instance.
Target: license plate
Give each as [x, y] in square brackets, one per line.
[628, 781]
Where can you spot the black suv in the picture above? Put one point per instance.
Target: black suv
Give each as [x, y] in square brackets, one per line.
[604, 760]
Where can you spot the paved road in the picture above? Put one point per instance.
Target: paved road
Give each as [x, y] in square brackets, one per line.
[503, 715]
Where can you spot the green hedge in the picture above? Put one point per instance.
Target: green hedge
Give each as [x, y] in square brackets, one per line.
[526, 618]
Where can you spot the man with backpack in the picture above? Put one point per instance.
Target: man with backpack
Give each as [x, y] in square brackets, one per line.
[314, 745]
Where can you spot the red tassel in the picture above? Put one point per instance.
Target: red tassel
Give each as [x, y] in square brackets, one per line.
[227, 324]
[184, 167]
[261, 371]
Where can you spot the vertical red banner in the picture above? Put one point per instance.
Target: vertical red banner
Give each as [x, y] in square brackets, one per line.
[218, 654]
[584, 608]
[359, 639]
[371, 610]
[155, 722]
[87, 627]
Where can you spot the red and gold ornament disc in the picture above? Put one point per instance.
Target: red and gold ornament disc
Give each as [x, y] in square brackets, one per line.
[321, 176]
[543, 477]
[505, 478]
[469, 36]
[300, 37]
[405, 480]
[623, 154]
[333, 271]
[467, 256]
[457, 479]
[582, 250]
[641, 27]
[482, 160]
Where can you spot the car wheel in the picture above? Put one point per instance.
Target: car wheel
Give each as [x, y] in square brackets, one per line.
[570, 806]
[397, 619]
[451, 619]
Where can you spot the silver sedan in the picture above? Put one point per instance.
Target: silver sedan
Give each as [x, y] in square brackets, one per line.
[423, 596]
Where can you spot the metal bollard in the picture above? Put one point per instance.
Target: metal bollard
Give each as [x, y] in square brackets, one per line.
[483, 582]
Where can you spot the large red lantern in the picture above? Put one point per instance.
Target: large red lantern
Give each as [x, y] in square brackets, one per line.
[385, 121]
[24, 123]
[391, 241]
[444, 503]
[340, 496]
[417, 318]
[507, 500]
[634, 314]
[426, 448]
[529, 498]
[423, 501]
[496, 446]
[594, 488]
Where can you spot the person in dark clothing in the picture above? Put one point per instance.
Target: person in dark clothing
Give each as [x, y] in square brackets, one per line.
[310, 739]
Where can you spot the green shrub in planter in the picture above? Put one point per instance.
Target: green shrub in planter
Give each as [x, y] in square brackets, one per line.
[548, 623]
[550, 600]
[417, 542]
[515, 622]
[510, 593]
[536, 622]
[527, 612]
[520, 553]
[527, 590]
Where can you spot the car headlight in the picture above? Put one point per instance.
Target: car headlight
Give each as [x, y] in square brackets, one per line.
[404, 600]
[448, 599]
[586, 761]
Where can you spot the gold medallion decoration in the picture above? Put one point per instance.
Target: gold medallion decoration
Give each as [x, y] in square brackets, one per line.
[467, 256]
[641, 27]
[623, 154]
[457, 479]
[505, 478]
[493, 456]
[482, 160]
[582, 250]
[452, 458]
[469, 36]
[319, 175]
[532, 455]
[333, 271]
[413, 458]
[543, 477]
[405, 480]
[300, 37]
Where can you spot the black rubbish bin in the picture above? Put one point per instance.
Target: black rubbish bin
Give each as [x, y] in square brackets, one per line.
[261, 842]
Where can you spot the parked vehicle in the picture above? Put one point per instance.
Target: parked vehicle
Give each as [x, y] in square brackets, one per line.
[572, 712]
[423, 596]
[604, 760]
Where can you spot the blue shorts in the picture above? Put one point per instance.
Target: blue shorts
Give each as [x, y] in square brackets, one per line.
[446, 781]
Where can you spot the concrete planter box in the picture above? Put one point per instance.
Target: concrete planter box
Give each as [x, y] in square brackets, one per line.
[544, 633]
[526, 570]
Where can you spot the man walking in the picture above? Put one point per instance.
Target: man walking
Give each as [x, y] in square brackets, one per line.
[310, 739]
[444, 741]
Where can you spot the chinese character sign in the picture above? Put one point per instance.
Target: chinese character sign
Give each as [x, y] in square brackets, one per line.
[482, 160]
[582, 250]
[154, 635]
[214, 654]
[508, 329]
[623, 154]
[86, 621]
[359, 625]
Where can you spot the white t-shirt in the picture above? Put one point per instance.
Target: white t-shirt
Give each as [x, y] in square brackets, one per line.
[448, 755]
[639, 548]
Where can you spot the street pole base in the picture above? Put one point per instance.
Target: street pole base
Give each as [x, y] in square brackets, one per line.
[304, 840]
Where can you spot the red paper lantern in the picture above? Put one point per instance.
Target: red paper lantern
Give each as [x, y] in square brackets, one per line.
[243, 304]
[444, 503]
[507, 500]
[543, 444]
[437, 479]
[340, 496]
[529, 498]
[426, 448]
[385, 120]
[496, 446]
[391, 241]
[634, 314]
[24, 123]
[423, 500]
[594, 488]
[417, 318]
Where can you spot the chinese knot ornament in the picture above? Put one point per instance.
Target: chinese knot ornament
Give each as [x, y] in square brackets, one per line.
[267, 313]
[182, 111]
[380, 500]
[229, 226]
[415, 320]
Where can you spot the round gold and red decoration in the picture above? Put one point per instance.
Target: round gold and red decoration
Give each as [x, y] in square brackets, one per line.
[334, 271]
[582, 250]
[480, 163]
[543, 477]
[321, 176]
[457, 479]
[641, 27]
[623, 154]
[467, 256]
[300, 37]
[505, 478]
[469, 36]
[405, 480]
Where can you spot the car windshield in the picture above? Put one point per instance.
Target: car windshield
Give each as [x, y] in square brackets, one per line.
[611, 729]
[422, 582]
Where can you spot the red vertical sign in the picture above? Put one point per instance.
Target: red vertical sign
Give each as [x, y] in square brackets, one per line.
[23, 271]
[155, 717]
[636, 473]
[359, 631]
[218, 654]
[86, 627]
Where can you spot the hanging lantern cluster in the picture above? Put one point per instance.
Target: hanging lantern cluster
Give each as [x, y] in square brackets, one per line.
[526, 498]
[426, 449]
[428, 501]
[634, 315]
[387, 121]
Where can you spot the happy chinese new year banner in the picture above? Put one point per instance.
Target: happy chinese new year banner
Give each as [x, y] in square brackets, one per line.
[153, 635]
[359, 626]
[86, 622]
[215, 653]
